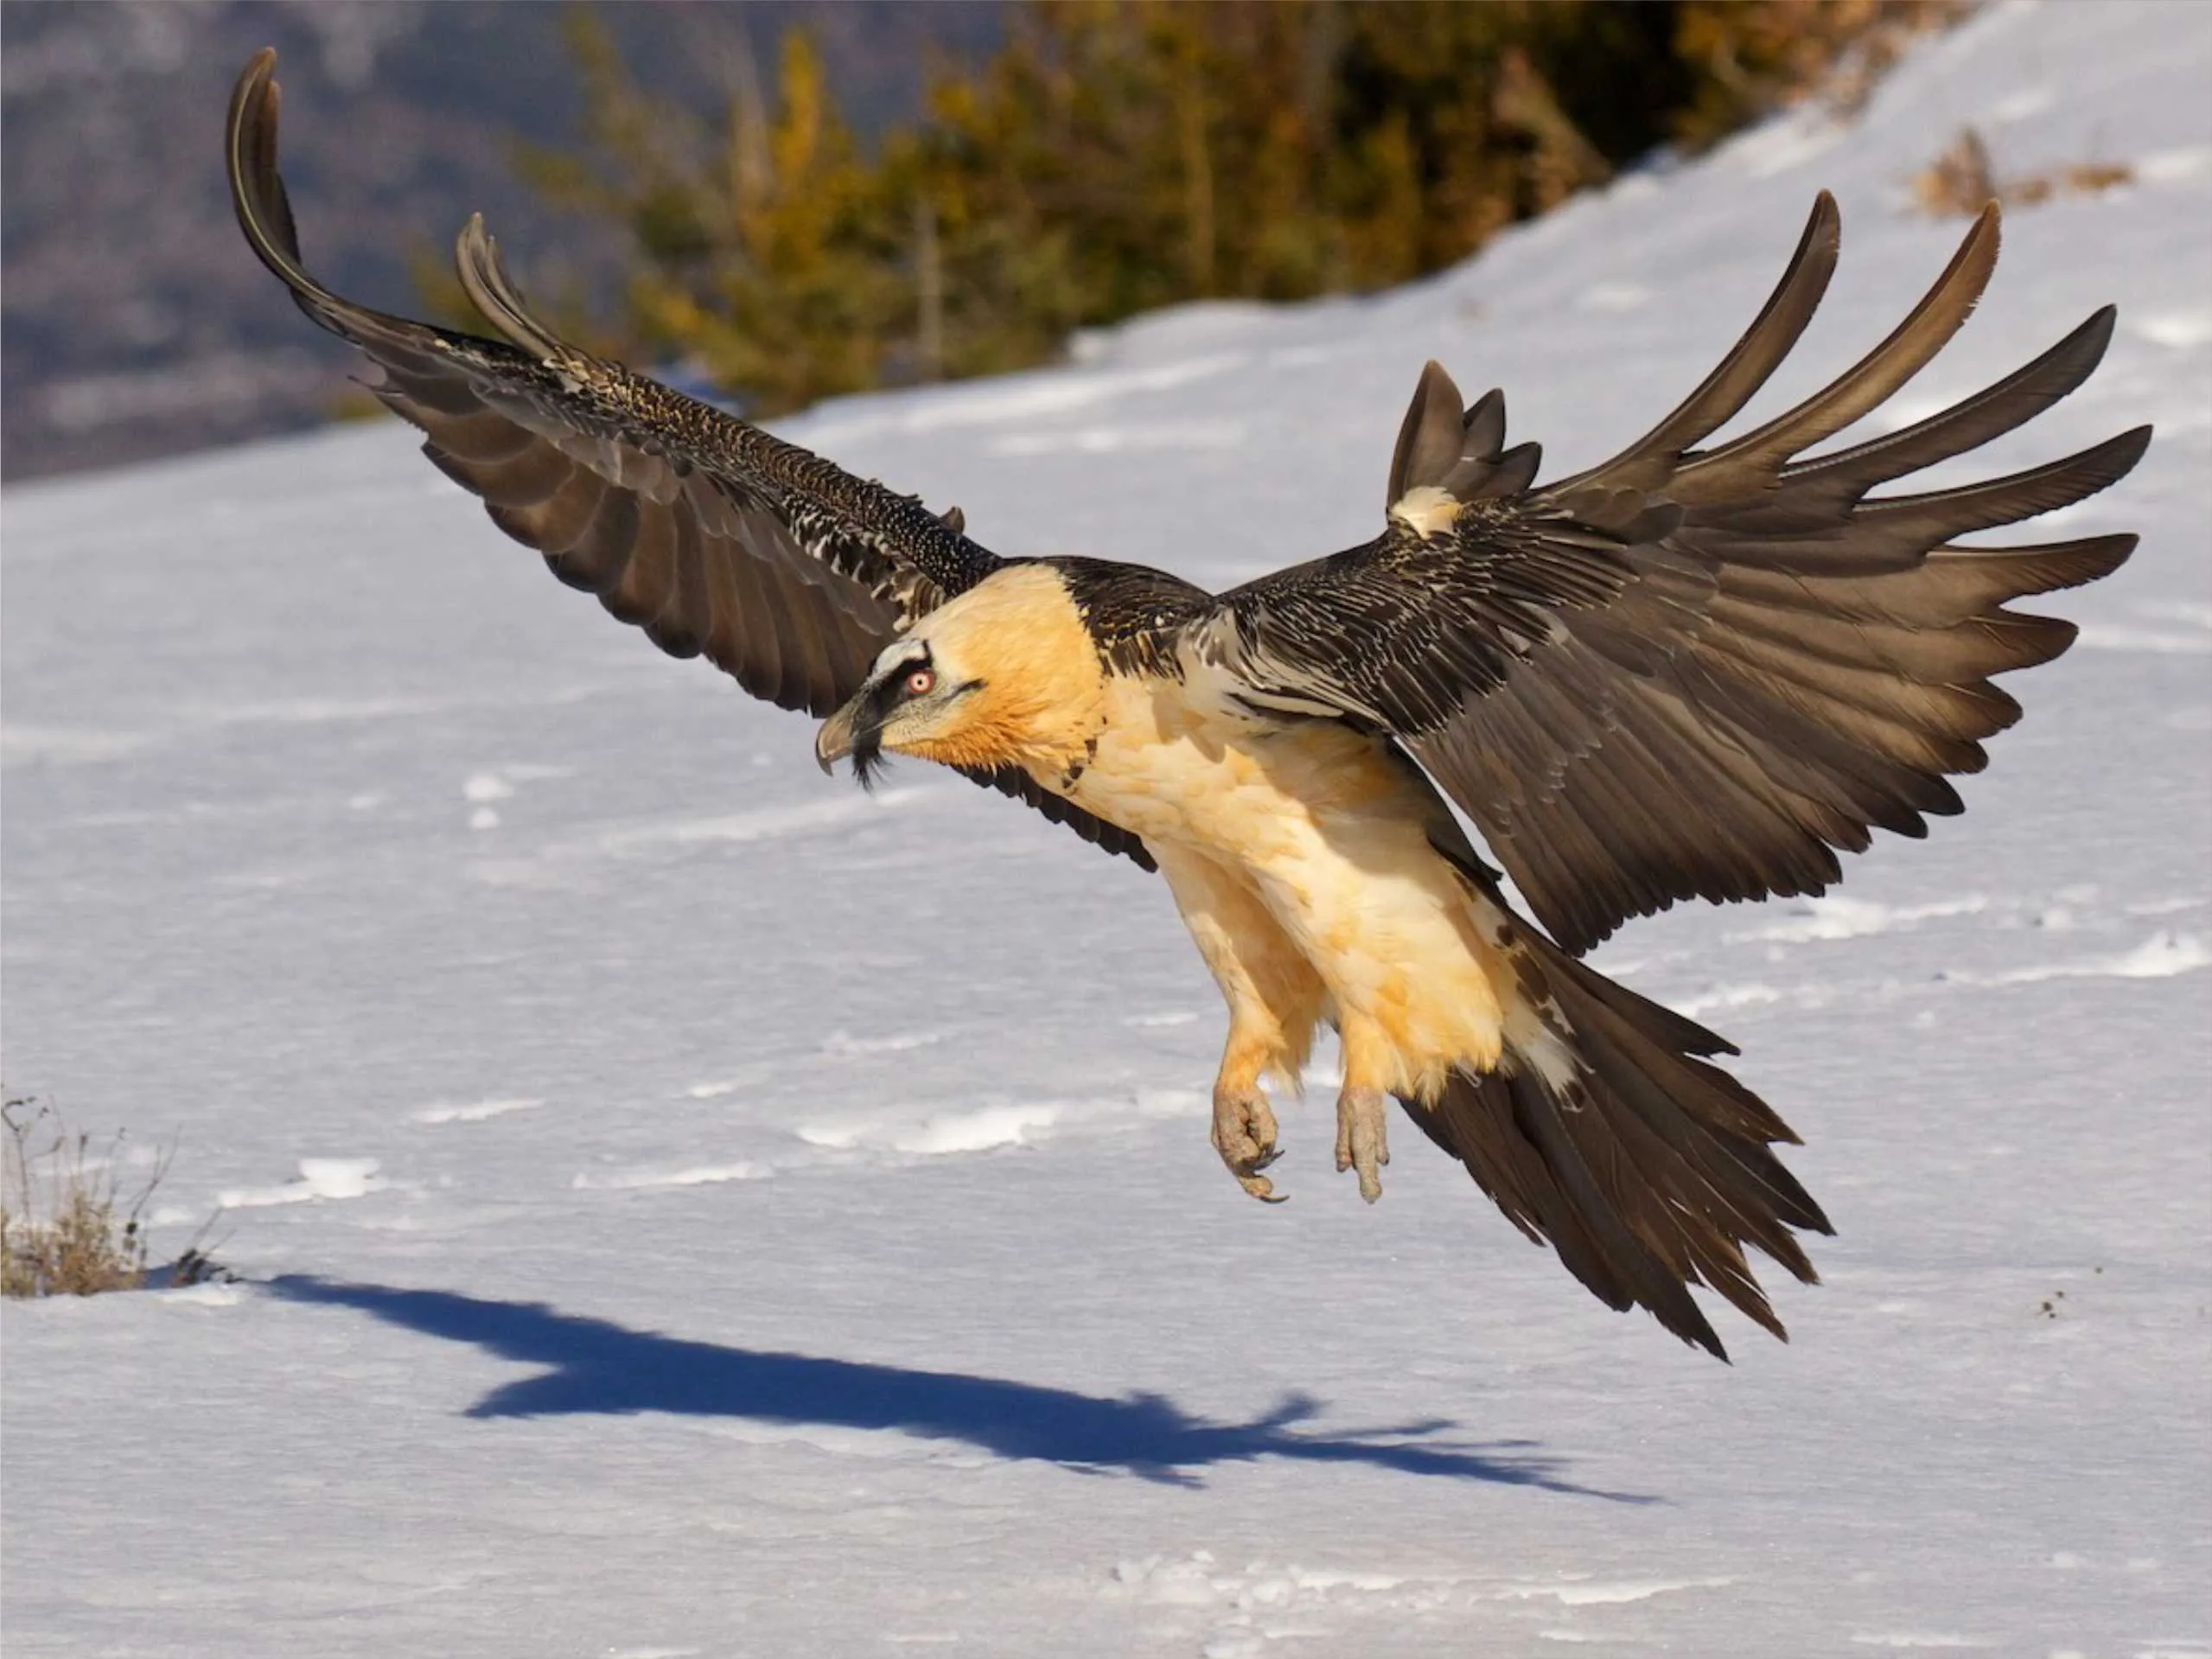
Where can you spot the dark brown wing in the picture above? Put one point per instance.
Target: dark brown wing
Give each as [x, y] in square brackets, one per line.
[1695, 673]
[716, 538]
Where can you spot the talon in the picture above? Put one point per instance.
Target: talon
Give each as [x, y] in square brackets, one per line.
[1260, 1188]
[1244, 1135]
[1361, 1142]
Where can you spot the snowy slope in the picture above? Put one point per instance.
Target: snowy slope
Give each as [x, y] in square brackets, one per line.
[690, 1207]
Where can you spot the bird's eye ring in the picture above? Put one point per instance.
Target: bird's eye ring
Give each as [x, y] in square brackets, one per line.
[920, 682]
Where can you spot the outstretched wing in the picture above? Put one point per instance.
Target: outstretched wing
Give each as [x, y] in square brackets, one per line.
[708, 534]
[716, 538]
[1694, 672]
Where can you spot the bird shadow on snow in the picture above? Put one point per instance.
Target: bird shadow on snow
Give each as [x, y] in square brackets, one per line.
[596, 1366]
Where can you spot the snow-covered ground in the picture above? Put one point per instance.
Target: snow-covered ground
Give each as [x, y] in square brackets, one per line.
[687, 1207]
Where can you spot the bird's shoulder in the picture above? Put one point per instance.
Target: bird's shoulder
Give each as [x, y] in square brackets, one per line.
[1136, 616]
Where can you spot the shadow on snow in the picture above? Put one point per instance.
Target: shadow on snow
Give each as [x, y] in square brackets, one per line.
[594, 1365]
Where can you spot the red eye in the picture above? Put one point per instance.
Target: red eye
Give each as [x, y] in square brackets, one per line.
[920, 683]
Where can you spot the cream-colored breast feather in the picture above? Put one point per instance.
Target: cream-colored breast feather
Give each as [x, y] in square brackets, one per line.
[1332, 832]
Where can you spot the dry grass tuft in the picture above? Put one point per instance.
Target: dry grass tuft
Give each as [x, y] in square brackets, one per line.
[67, 1227]
[1961, 181]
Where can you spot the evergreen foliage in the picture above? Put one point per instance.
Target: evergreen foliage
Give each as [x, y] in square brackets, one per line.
[1116, 155]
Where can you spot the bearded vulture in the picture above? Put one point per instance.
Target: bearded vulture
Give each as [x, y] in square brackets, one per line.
[1689, 672]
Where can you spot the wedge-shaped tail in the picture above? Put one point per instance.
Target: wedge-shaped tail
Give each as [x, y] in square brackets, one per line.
[1647, 1168]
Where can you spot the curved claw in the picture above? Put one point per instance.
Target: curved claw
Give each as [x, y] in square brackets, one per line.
[1260, 1188]
[1244, 1135]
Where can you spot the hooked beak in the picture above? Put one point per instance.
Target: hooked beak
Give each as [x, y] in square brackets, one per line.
[834, 741]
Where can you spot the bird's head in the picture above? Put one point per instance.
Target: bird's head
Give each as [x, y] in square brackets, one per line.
[1003, 675]
[911, 702]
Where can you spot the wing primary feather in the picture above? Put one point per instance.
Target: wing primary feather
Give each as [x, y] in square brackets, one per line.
[1938, 516]
[1909, 348]
[1697, 672]
[1747, 365]
[707, 533]
[1845, 475]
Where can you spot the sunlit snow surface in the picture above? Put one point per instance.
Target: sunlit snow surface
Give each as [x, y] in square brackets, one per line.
[686, 1207]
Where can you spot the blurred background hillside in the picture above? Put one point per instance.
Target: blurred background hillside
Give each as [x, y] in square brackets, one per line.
[790, 199]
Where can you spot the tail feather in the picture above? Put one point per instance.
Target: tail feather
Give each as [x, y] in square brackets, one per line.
[1646, 1168]
[1614, 1201]
[1676, 1096]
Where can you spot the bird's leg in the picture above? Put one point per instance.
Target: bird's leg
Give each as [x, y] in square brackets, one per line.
[1362, 1143]
[1244, 1122]
[1244, 1135]
[1274, 998]
[1363, 1106]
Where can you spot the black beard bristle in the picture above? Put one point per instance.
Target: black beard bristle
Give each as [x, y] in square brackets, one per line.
[868, 765]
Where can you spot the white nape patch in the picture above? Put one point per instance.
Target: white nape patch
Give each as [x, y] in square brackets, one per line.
[1426, 509]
